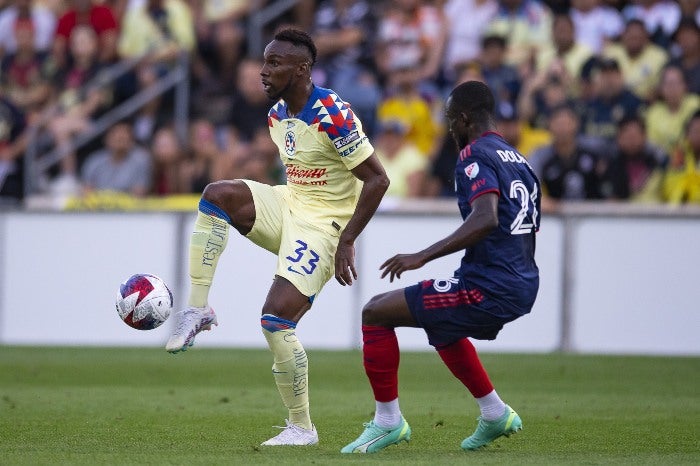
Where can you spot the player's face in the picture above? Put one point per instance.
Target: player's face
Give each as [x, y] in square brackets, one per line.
[280, 69]
[456, 124]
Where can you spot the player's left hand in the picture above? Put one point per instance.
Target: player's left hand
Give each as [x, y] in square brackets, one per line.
[398, 264]
[345, 271]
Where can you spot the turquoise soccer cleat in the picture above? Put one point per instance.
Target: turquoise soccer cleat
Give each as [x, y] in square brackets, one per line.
[375, 438]
[488, 431]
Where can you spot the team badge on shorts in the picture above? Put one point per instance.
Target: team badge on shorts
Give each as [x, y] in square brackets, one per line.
[290, 143]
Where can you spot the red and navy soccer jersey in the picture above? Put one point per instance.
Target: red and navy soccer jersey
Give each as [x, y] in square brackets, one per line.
[502, 265]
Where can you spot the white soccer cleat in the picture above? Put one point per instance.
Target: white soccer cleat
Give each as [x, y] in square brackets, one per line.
[294, 435]
[190, 322]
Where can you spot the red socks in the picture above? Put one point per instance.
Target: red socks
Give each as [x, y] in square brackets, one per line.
[381, 360]
[461, 358]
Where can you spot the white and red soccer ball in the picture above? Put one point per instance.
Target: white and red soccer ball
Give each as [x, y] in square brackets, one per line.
[144, 301]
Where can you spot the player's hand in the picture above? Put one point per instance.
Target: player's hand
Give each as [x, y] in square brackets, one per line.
[345, 271]
[398, 264]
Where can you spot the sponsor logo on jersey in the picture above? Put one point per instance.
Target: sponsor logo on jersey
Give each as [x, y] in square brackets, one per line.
[472, 170]
[312, 176]
[290, 143]
[345, 140]
[478, 184]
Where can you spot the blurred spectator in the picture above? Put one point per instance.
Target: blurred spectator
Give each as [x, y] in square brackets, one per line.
[26, 74]
[503, 79]
[660, 18]
[404, 164]
[207, 162]
[612, 103]
[42, 19]
[542, 93]
[636, 167]
[168, 154]
[410, 44]
[690, 9]
[13, 142]
[464, 43]
[303, 13]
[687, 38]
[220, 36]
[80, 98]
[527, 26]
[666, 117]
[247, 110]
[156, 31]
[564, 56]
[640, 59]
[520, 134]
[682, 183]
[569, 168]
[121, 166]
[259, 160]
[98, 16]
[415, 111]
[344, 33]
[596, 24]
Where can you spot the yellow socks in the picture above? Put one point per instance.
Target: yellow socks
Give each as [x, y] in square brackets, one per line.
[208, 241]
[290, 367]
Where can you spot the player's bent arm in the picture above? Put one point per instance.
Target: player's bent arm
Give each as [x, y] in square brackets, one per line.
[480, 222]
[375, 183]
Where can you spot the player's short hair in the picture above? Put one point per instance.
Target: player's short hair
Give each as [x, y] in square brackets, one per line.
[475, 99]
[300, 39]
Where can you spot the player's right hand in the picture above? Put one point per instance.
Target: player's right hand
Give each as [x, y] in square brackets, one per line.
[398, 264]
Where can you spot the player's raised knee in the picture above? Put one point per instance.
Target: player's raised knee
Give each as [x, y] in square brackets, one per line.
[372, 312]
[219, 192]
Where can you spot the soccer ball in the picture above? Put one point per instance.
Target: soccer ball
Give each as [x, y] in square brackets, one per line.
[144, 301]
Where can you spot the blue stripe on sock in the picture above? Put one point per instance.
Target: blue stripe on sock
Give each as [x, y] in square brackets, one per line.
[211, 209]
[273, 323]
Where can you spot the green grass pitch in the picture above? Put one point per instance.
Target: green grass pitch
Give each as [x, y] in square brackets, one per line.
[117, 406]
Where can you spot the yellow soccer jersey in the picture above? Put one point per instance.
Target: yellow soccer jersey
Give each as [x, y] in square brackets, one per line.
[319, 147]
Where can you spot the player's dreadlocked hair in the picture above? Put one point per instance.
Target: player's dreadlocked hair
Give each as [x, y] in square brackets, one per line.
[299, 38]
[475, 99]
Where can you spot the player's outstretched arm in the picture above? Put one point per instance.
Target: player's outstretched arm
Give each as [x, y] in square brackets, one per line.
[376, 182]
[479, 223]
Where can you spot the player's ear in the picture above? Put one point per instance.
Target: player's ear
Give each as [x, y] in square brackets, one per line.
[304, 67]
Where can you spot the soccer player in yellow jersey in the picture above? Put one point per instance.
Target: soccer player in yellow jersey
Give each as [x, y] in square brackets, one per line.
[334, 185]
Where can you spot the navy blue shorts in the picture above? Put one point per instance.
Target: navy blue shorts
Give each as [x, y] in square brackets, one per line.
[449, 310]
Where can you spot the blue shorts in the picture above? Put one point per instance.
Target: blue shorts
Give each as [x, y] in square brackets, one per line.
[449, 310]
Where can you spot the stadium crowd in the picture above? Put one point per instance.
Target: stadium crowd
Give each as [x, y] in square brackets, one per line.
[601, 96]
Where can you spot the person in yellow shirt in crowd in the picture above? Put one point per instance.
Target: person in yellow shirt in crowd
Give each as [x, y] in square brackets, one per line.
[641, 61]
[416, 112]
[404, 164]
[564, 52]
[520, 134]
[666, 117]
[682, 182]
